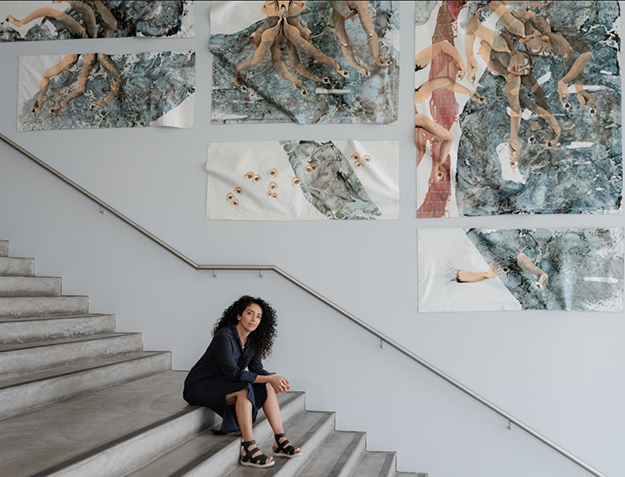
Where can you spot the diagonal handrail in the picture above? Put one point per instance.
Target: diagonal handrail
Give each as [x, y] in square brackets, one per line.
[511, 419]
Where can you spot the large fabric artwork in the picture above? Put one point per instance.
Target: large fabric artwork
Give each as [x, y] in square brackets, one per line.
[98, 90]
[66, 20]
[521, 269]
[303, 180]
[305, 62]
[518, 108]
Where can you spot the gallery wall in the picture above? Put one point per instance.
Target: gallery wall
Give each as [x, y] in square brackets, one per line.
[558, 372]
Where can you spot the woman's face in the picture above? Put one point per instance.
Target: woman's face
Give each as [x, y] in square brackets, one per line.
[250, 318]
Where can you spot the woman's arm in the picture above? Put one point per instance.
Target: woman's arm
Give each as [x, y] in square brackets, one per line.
[279, 383]
[222, 350]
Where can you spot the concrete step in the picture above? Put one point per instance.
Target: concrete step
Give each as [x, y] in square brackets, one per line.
[411, 474]
[25, 392]
[107, 433]
[338, 456]
[376, 464]
[4, 248]
[17, 267]
[30, 286]
[41, 328]
[209, 454]
[308, 430]
[16, 358]
[40, 306]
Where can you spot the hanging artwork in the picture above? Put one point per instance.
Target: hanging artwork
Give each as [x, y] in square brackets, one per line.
[521, 269]
[305, 62]
[303, 180]
[66, 20]
[98, 90]
[518, 108]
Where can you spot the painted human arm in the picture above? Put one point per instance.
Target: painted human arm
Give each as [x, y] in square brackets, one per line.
[509, 22]
[574, 72]
[526, 264]
[424, 57]
[469, 276]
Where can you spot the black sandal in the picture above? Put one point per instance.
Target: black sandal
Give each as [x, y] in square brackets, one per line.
[259, 461]
[285, 448]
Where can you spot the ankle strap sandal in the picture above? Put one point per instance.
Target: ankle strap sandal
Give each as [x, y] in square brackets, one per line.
[260, 461]
[284, 448]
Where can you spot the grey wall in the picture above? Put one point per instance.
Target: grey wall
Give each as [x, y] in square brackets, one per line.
[561, 373]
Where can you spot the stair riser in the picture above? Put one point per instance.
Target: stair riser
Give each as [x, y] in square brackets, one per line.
[65, 305]
[134, 453]
[30, 286]
[17, 267]
[227, 459]
[19, 399]
[222, 463]
[41, 330]
[45, 357]
[4, 248]
[353, 459]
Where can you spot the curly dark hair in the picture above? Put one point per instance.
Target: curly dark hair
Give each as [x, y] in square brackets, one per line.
[264, 334]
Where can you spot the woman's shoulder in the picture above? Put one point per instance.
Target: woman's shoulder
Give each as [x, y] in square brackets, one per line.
[223, 334]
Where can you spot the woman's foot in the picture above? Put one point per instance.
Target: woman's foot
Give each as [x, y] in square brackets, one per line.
[252, 456]
[284, 448]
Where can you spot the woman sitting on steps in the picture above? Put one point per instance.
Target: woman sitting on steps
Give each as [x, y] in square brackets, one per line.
[220, 381]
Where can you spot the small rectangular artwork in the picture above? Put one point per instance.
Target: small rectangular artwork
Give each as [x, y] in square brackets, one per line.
[521, 269]
[303, 180]
[518, 108]
[61, 20]
[98, 90]
[305, 62]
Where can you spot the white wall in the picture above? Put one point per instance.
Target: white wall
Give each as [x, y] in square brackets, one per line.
[561, 373]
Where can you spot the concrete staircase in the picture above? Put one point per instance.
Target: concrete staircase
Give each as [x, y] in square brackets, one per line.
[79, 399]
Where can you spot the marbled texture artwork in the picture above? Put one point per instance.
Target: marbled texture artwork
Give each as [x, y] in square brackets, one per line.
[303, 180]
[305, 62]
[67, 20]
[98, 90]
[578, 269]
[518, 108]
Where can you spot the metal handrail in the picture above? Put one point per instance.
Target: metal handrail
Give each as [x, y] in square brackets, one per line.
[511, 419]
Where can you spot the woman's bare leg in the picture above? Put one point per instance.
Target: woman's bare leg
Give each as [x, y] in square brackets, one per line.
[243, 410]
[272, 411]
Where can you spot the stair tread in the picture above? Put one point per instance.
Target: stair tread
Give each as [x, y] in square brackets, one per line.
[334, 454]
[74, 429]
[376, 464]
[14, 319]
[198, 449]
[299, 431]
[74, 368]
[60, 341]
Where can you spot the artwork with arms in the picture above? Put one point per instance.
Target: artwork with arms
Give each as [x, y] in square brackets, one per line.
[305, 62]
[67, 20]
[517, 108]
[521, 269]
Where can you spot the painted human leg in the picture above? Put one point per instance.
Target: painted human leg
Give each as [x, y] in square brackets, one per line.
[346, 47]
[83, 77]
[267, 39]
[111, 68]
[367, 25]
[66, 63]
[424, 57]
[293, 35]
[297, 63]
[447, 139]
[71, 25]
[280, 67]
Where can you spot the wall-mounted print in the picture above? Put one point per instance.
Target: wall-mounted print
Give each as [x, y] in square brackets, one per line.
[98, 90]
[67, 20]
[305, 62]
[303, 180]
[518, 108]
[521, 269]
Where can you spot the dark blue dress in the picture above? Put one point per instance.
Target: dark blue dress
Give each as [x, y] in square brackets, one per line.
[221, 371]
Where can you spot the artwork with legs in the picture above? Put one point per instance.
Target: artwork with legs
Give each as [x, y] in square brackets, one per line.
[98, 90]
[303, 180]
[69, 19]
[521, 269]
[517, 108]
[305, 62]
